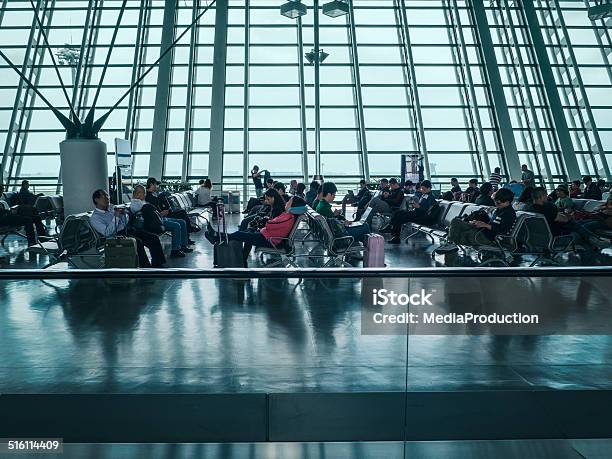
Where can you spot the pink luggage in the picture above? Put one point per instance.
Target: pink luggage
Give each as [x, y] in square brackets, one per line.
[375, 251]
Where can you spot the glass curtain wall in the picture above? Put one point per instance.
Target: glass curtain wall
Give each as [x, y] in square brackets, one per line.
[421, 86]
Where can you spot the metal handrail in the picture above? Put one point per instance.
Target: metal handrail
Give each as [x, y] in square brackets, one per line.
[304, 273]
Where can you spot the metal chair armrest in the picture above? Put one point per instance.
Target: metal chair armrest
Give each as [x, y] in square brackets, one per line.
[566, 240]
[336, 239]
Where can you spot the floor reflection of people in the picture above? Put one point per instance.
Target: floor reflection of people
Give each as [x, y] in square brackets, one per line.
[103, 318]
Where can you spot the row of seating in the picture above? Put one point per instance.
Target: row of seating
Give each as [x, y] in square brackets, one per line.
[187, 201]
[530, 235]
[48, 207]
[80, 245]
[313, 228]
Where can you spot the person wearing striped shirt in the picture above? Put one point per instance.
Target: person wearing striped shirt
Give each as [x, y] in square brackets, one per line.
[495, 178]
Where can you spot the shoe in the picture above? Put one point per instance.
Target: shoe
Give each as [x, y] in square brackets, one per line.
[186, 250]
[177, 254]
[447, 248]
[395, 240]
[162, 266]
[190, 242]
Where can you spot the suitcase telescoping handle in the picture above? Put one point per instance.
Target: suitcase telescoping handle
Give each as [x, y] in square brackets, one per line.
[221, 221]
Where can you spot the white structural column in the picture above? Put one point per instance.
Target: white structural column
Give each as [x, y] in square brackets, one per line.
[162, 96]
[217, 111]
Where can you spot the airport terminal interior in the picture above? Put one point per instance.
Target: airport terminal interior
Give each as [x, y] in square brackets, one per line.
[220, 218]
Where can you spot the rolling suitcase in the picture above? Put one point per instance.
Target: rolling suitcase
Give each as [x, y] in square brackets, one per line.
[226, 253]
[375, 251]
[120, 253]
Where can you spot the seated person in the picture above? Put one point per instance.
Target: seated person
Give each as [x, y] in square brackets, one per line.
[560, 223]
[448, 196]
[110, 221]
[24, 196]
[601, 184]
[455, 188]
[328, 194]
[563, 201]
[318, 198]
[280, 187]
[311, 194]
[300, 190]
[12, 217]
[420, 207]
[409, 187]
[388, 201]
[362, 195]
[203, 194]
[271, 235]
[156, 223]
[477, 232]
[575, 189]
[471, 192]
[591, 190]
[602, 221]
[484, 198]
[293, 186]
[525, 200]
[163, 207]
[273, 206]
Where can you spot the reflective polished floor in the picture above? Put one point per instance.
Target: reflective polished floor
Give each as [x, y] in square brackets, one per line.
[275, 335]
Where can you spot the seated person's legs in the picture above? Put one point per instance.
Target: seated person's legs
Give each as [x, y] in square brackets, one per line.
[143, 260]
[177, 237]
[359, 232]
[152, 242]
[182, 215]
[250, 239]
[244, 224]
[255, 209]
[399, 218]
[26, 222]
[184, 235]
[41, 230]
[583, 233]
[461, 232]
